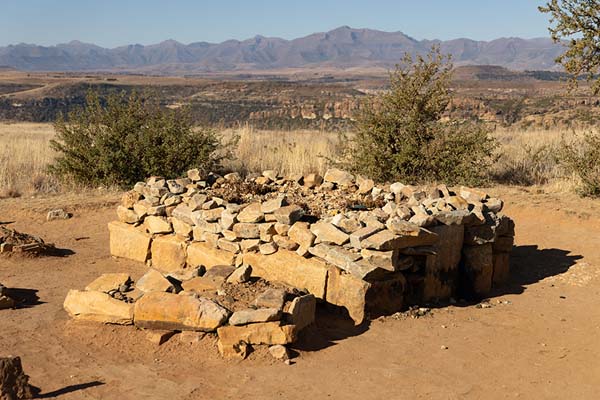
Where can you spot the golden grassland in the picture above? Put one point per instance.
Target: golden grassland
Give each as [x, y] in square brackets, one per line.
[525, 157]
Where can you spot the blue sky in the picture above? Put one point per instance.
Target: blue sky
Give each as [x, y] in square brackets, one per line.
[111, 23]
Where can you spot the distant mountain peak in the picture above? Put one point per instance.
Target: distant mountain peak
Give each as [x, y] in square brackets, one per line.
[341, 47]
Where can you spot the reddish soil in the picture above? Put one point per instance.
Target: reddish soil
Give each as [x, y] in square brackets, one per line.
[539, 340]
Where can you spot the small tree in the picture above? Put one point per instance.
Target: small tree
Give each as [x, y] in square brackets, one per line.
[401, 136]
[577, 24]
[128, 139]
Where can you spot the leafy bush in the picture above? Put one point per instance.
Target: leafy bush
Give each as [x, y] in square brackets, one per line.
[401, 135]
[581, 157]
[127, 139]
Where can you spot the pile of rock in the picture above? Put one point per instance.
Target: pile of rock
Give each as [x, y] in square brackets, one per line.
[14, 383]
[243, 312]
[12, 241]
[366, 247]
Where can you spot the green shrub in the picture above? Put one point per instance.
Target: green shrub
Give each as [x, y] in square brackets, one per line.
[401, 135]
[581, 157]
[127, 139]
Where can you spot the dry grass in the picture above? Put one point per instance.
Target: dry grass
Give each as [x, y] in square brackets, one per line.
[526, 157]
[24, 155]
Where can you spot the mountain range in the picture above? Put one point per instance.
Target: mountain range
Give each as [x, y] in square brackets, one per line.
[343, 47]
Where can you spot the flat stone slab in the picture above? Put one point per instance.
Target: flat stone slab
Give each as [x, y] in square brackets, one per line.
[261, 333]
[99, 307]
[128, 242]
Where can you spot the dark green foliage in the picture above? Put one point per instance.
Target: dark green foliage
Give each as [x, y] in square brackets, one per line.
[128, 139]
[581, 158]
[401, 136]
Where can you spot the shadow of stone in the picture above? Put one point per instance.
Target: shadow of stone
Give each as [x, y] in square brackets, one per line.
[57, 252]
[69, 389]
[24, 298]
[332, 324]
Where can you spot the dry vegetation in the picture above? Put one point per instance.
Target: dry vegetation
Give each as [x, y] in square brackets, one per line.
[526, 157]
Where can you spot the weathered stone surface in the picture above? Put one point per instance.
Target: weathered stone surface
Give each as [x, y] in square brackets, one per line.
[348, 291]
[407, 235]
[183, 213]
[501, 269]
[204, 254]
[441, 269]
[478, 269]
[240, 275]
[328, 233]
[260, 333]
[312, 180]
[6, 302]
[227, 245]
[279, 352]
[302, 311]
[169, 253]
[385, 297]
[97, 306]
[271, 298]
[219, 273]
[246, 230]
[126, 215]
[250, 245]
[288, 214]
[228, 218]
[270, 206]
[503, 244]
[472, 195]
[14, 383]
[301, 234]
[168, 311]
[181, 228]
[282, 229]
[251, 316]
[349, 225]
[157, 225]
[338, 176]
[235, 351]
[251, 213]
[128, 242]
[268, 248]
[58, 214]
[159, 337]
[154, 281]
[212, 215]
[283, 242]
[107, 282]
[291, 269]
[267, 230]
[364, 185]
[194, 175]
[201, 283]
[387, 260]
[357, 237]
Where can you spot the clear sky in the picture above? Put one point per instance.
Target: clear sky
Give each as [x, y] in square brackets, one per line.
[111, 23]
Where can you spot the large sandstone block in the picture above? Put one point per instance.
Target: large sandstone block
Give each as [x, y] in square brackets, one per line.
[159, 310]
[128, 242]
[98, 306]
[289, 268]
[203, 254]
[441, 269]
[478, 264]
[347, 291]
[169, 253]
[107, 282]
[260, 333]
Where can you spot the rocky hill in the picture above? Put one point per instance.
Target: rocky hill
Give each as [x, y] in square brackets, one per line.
[343, 47]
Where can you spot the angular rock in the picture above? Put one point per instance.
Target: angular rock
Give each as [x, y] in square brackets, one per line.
[271, 299]
[312, 180]
[279, 352]
[108, 282]
[288, 214]
[246, 230]
[441, 269]
[97, 306]
[301, 234]
[159, 337]
[181, 228]
[364, 185]
[251, 316]
[233, 351]
[126, 215]
[328, 233]
[270, 206]
[339, 177]
[291, 269]
[268, 248]
[200, 284]
[58, 214]
[261, 333]
[347, 291]
[388, 260]
[302, 311]
[154, 281]
[168, 311]
[283, 242]
[157, 225]
[204, 254]
[128, 242]
[240, 275]
[183, 213]
[251, 214]
[219, 273]
[478, 269]
[227, 245]
[250, 245]
[169, 253]
[358, 236]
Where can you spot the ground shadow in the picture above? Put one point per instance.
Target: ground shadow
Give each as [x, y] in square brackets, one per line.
[332, 324]
[57, 252]
[68, 389]
[24, 298]
[530, 264]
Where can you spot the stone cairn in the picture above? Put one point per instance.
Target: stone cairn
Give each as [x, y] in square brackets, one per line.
[368, 249]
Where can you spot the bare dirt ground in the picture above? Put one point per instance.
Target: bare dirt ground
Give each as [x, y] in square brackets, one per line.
[539, 340]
